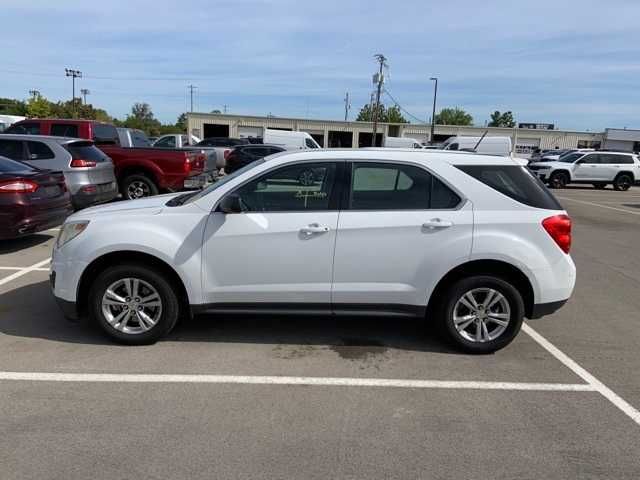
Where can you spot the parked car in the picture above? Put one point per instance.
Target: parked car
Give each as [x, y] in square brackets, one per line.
[222, 142]
[402, 142]
[289, 140]
[619, 169]
[245, 154]
[555, 155]
[31, 199]
[472, 243]
[140, 172]
[485, 145]
[132, 137]
[89, 173]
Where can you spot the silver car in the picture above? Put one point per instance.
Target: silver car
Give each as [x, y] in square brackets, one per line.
[88, 172]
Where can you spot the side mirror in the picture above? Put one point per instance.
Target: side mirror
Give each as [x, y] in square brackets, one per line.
[230, 204]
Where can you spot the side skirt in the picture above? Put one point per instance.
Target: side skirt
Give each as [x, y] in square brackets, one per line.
[342, 309]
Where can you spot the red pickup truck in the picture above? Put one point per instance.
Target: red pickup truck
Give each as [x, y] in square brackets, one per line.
[140, 171]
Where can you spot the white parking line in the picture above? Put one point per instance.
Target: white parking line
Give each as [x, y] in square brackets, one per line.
[599, 205]
[24, 271]
[582, 373]
[22, 268]
[283, 380]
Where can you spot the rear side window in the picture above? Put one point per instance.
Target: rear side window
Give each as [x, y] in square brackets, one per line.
[86, 151]
[12, 149]
[515, 182]
[64, 130]
[39, 151]
[24, 128]
[105, 134]
[379, 186]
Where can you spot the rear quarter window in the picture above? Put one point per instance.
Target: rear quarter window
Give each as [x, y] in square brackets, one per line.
[515, 182]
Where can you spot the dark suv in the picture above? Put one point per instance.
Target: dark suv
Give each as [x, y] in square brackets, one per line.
[244, 154]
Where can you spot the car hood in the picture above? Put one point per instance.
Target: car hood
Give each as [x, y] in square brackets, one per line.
[156, 202]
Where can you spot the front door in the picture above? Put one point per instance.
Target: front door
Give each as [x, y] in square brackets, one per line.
[398, 234]
[586, 169]
[279, 250]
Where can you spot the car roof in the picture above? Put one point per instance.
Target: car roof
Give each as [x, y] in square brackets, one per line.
[24, 136]
[416, 155]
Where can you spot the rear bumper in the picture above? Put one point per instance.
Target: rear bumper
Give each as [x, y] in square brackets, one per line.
[106, 192]
[542, 309]
[33, 224]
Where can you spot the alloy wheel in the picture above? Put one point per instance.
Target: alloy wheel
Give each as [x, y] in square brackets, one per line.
[138, 189]
[131, 305]
[481, 315]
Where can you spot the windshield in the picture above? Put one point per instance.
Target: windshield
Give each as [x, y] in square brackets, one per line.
[572, 157]
[223, 180]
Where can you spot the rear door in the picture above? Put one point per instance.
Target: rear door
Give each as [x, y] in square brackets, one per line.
[400, 229]
[40, 155]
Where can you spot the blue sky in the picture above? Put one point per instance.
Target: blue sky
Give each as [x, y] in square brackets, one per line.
[573, 63]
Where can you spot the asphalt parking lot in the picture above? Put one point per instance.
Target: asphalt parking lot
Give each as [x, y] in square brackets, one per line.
[273, 397]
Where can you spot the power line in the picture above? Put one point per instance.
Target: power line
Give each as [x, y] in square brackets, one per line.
[386, 92]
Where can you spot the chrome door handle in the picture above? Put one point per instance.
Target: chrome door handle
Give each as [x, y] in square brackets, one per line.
[313, 228]
[437, 223]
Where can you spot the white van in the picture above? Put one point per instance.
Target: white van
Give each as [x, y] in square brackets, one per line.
[402, 142]
[289, 140]
[488, 145]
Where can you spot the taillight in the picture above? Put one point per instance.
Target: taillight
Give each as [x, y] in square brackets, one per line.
[559, 228]
[18, 186]
[77, 163]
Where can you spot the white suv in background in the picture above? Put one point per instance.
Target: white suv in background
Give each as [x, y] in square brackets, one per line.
[599, 168]
[472, 242]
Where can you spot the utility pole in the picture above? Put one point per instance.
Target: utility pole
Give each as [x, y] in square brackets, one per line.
[34, 93]
[433, 115]
[347, 107]
[191, 89]
[73, 74]
[379, 78]
[224, 109]
[84, 92]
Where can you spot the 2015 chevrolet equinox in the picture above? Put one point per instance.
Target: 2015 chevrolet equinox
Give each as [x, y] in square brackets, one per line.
[472, 242]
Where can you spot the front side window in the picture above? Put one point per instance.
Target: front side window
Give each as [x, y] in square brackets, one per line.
[379, 186]
[591, 159]
[12, 149]
[24, 128]
[572, 157]
[300, 187]
[64, 130]
[39, 151]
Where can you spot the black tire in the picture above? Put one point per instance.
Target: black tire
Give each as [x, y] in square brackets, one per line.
[445, 314]
[622, 182]
[559, 180]
[600, 186]
[138, 185]
[170, 307]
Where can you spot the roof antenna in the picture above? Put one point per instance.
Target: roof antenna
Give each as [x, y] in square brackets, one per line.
[479, 141]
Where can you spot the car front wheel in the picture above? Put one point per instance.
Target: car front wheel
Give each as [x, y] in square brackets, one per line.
[133, 304]
[481, 314]
[559, 180]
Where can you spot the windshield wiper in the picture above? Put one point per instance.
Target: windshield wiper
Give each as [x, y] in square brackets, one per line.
[180, 199]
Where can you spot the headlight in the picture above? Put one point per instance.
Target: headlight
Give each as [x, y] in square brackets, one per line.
[69, 231]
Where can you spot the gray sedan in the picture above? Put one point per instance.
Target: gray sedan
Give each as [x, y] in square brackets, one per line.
[88, 172]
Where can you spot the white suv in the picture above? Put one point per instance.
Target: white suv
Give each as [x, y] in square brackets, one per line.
[474, 243]
[599, 168]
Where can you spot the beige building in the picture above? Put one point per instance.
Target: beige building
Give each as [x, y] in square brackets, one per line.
[340, 134]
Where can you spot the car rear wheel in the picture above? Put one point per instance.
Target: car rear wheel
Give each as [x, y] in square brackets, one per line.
[600, 186]
[481, 314]
[559, 180]
[133, 304]
[622, 182]
[138, 186]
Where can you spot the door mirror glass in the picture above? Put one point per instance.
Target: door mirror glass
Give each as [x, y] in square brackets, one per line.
[230, 204]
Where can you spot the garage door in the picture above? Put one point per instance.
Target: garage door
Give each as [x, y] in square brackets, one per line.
[247, 132]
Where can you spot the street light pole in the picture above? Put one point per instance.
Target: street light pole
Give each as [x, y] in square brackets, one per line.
[433, 115]
[73, 74]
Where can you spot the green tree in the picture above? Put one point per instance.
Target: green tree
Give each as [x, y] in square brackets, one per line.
[394, 115]
[453, 116]
[11, 106]
[502, 119]
[38, 106]
[181, 123]
[216, 111]
[141, 117]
